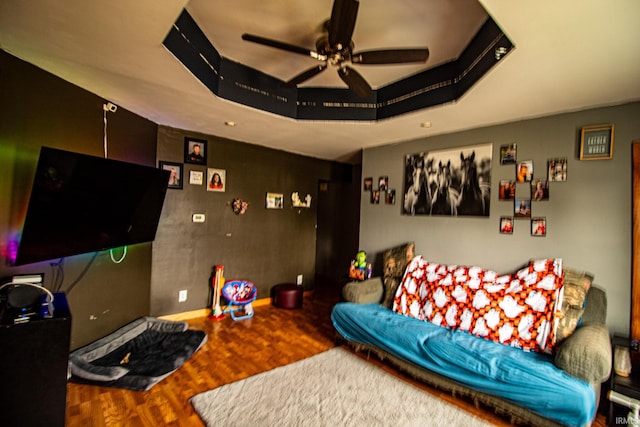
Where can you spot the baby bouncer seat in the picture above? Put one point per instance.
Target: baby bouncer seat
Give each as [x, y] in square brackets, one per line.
[240, 294]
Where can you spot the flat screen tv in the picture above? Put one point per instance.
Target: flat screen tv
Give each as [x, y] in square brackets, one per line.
[81, 203]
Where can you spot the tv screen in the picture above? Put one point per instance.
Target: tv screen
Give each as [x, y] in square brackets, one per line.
[81, 203]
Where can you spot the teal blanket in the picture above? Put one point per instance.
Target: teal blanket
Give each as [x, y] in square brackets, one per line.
[527, 379]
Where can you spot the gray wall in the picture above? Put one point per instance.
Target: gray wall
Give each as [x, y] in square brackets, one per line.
[588, 216]
[266, 246]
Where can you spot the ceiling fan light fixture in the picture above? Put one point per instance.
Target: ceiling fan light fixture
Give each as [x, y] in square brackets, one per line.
[336, 47]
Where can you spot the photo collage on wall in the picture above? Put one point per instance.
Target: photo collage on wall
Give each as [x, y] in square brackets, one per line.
[537, 189]
[195, 154]
[381, 192]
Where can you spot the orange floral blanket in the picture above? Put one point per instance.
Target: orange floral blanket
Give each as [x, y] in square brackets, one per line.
[516, 309]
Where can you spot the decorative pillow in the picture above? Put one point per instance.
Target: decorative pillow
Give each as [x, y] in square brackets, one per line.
[394, 263]
[576, 286]
[367, 292]
[514, 309]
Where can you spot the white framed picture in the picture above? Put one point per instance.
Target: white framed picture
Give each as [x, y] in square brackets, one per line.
[216, 179]
[275, 201]
[196, 177]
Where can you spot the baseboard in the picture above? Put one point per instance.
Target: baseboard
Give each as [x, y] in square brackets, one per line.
[204, 312]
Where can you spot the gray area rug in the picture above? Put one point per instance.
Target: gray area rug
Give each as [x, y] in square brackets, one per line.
[334, 388]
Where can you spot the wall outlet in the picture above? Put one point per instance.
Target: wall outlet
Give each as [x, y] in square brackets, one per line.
[299, 279]
[182, 295]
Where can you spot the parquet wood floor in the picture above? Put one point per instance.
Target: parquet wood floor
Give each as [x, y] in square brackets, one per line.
[234, 350]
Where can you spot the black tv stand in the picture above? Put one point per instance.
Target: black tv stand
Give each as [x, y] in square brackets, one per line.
[33, 369]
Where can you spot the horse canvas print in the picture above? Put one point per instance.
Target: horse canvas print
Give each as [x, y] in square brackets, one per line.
[454, 182]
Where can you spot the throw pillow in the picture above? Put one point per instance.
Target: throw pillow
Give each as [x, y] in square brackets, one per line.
[367, 292]
[576, 286]
[515, 309]
[394, 263]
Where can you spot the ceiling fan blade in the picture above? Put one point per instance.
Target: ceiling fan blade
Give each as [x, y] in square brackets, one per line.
[283, 46]
[355, 81]
[342, 23]
[391, 56]
[305, 75]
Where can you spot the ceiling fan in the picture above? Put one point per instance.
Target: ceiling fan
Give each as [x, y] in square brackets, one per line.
[336, 48]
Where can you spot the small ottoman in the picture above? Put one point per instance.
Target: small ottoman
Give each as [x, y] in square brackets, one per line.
[366, 292]
[287, 295]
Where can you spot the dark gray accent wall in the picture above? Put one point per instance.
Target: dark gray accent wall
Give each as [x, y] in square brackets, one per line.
[265, 246]
[36, 109]
[588, 216]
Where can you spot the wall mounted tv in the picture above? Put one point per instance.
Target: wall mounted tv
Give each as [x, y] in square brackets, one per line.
[81, 203]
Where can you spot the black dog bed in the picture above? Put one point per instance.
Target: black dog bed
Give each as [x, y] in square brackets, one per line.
[136, 356]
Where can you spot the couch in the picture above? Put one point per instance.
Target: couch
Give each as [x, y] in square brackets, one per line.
[556, 385]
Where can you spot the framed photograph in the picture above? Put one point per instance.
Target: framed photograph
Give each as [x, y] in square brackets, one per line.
[368, 184]
[524, 172]
[216, 179]
[195, 151]
[434, 182]
[175, 173]
[522, 208]
[539, 226]
[557, 170]
[539, 190]
[507, 189]
[275, 201]
[596, 142]
[508, 154]
[375, 197]
[383, 183]
[506, 225]
[390, 198]
[196, 177]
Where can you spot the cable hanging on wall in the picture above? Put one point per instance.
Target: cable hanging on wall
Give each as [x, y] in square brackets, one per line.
[108, 107]
[122, 257]
[111, 108]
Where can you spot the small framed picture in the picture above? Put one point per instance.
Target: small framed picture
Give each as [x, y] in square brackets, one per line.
[216, 179]
[539, 190]
[539, 226]
[507, 189]
[390, 198]
[596, 142]
[508, 154]
[557, 169]
[196, 177]
[195, 151]
[524, 171]
[275, 201]
[383, 183]
[175, 173]
[375, 197]
[506, 225]
[522, 208]
[368, 184]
